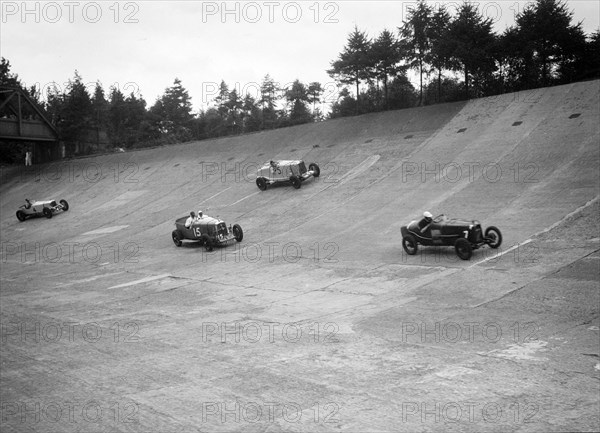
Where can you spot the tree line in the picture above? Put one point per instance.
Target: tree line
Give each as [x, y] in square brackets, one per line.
[464, 56]
[455, 57]
[125, 121]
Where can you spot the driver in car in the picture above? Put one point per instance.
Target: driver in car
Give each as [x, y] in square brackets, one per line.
[426, 221]
[190, 220]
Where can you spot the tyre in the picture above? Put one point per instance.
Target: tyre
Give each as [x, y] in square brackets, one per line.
[176, 235]
[314, 167]
[207, 242]
[296, 182]
[65, 205]
[493, 234]
[463, 248]
[261, 183]
[21, 215]
[409, 243]
[238, 232]
[47, 213]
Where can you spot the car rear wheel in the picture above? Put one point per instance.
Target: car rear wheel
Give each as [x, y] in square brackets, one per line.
[315, 168]
[296, 182]
[65, 205]
[176, 235]
[463, 248]
[238, 232]
[261, 183]
[494, 237]
[409, 243]
[21, 215]
[207, 242]
[47, 213]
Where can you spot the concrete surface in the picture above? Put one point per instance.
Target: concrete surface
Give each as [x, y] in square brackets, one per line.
[317, 321]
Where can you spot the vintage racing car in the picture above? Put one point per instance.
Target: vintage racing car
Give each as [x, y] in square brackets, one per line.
[35, 208]
[209, 231]
[294, 172]
[464, 235]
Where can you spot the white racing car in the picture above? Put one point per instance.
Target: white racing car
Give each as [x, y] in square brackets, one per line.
[294, 172]
[35, 208]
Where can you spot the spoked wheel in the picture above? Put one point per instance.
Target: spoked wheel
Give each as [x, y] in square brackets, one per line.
[47, 213]
[176, 235]
[296, 182]
[21, 215]
[65, 205]
[207, 242]
[261, 183]
[238, 233]
[409, 243]
[315, 168]
[463, 248]
[494, 237]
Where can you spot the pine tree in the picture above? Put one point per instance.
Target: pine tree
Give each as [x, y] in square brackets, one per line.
[76, 114]
[314, 92]
[440, 53]
[386, 55]
[297, 96]
[415, 32]
[268, 97]
[353, 63]
[472, 43]
[545, 42]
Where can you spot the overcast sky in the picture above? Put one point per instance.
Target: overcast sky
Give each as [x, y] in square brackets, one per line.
[142, 46]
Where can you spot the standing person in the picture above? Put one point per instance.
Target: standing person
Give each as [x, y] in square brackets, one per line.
[28, 157]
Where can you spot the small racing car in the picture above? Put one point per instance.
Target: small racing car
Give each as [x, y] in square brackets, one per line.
[36, 208]
[464, 235]
[294, 172]
[209, 231]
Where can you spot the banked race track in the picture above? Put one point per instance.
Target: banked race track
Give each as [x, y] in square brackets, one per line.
[318, 320]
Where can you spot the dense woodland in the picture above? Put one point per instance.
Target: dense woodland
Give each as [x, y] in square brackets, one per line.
[453, 56]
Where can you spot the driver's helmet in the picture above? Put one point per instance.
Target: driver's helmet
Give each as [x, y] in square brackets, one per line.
[428, 217]
[199, 214]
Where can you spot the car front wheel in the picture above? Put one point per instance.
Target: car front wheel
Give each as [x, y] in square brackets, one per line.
[261, 183]
[296, 182]
[315, 169]
[65, 205]
[207, 242]
[493, 236]
[238, 233]
[409, 243]
[463, 248]
[21, 215]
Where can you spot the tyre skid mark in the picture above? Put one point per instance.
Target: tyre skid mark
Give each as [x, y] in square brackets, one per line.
[213, 196]
[140, 281]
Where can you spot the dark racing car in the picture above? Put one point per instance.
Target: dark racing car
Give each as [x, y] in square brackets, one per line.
[464, 235]
[209, 231]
